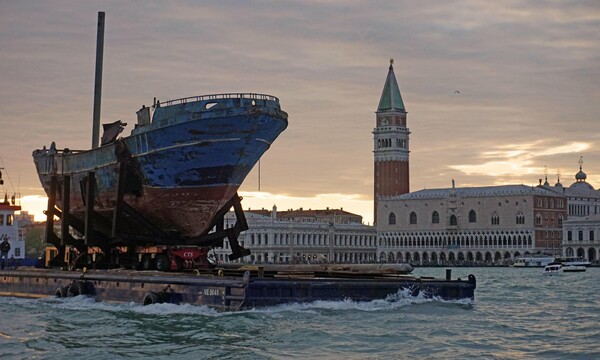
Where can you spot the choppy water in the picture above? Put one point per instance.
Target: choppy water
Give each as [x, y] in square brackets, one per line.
[517, 314]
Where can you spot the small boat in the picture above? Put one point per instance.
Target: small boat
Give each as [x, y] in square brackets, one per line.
[533, 261]
[573, 261]
[553, 269]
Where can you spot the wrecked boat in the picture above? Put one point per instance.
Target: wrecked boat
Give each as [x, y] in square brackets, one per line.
[178, 167]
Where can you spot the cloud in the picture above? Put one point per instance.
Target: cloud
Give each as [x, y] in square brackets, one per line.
[527, 73]
[517, 159]
[36, 205]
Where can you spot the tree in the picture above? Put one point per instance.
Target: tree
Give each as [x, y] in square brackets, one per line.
[35, 242]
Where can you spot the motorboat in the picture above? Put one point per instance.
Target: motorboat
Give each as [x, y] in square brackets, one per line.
[573, 261]
[532, 261]
[573, 268]
[553, 269]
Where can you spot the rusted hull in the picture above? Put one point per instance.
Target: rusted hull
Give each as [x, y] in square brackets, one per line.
[180, 169]
[227, 293]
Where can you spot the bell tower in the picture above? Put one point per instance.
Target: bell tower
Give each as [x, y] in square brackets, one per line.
[390, 145]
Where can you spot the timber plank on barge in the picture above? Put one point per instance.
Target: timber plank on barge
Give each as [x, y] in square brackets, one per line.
[227, 289]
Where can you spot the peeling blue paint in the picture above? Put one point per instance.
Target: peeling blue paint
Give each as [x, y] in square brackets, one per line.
[188, 145]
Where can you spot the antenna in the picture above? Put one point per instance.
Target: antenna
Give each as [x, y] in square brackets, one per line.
[258, 174]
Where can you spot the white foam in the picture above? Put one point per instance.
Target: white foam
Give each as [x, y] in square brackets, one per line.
[400, 299]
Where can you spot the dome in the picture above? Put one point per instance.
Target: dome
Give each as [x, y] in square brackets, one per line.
[583, 186]
[580, 176]
[582, 189]
[558, 185]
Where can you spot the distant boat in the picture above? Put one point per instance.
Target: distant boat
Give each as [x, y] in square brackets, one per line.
[533, 261]
[573, 268]
[183, 162]
[558, 267]
[553, 269]
[573, 261]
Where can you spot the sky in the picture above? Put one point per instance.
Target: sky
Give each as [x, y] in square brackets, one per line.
[496, 92]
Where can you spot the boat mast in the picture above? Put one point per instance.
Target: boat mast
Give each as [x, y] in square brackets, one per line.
[98, 82]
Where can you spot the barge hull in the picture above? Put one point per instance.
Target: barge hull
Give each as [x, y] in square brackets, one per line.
[223, 293]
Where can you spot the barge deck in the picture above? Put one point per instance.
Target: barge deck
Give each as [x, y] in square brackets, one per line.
[227, 289]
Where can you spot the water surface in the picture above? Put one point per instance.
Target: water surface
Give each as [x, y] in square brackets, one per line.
[517, 314]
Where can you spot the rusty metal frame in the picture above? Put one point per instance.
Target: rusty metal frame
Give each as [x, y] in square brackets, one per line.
[107, 234]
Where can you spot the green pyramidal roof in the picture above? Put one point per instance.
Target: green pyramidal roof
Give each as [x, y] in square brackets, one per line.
[390, 97]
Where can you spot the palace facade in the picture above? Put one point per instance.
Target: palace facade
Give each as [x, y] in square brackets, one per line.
[303, 236]
[474, 225]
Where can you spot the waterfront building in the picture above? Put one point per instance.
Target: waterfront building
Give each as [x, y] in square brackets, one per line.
[491, 224]
[25, 219]
[303, 236]
[580, 237]
[582, 226]
[472, 225]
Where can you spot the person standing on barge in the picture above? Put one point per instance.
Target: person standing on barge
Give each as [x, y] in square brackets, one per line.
[4, 249]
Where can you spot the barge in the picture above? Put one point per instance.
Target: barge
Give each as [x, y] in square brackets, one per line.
[230, 289]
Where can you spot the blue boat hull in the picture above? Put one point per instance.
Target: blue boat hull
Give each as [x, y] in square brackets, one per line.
[182, 167]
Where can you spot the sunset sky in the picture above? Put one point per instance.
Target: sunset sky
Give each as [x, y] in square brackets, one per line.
[528, 73]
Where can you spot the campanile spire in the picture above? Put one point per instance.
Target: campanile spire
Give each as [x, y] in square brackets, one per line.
[391, 146]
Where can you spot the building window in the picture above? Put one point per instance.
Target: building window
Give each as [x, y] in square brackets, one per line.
[392, 219]
[569, 235]
[538, 219]
[453, 221]
[495, 219]
[520, 218]
[472, 216]
[413, 218]
[591, 235]
[560, 219]
[435, 218]
[580, 235]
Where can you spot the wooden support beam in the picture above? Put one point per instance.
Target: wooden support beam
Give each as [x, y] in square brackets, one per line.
[66, 208]
[50, 208]
[89, 205]
[118, 210]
